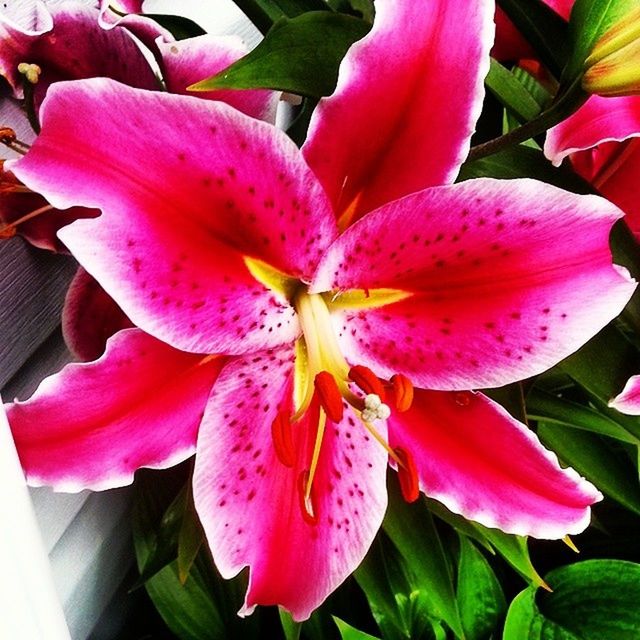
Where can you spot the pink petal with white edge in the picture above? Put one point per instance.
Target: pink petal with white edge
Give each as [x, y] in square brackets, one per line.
[188, 188]
[598, 120]
[89, 317]
[186, 62]
[406, 102]
[508, 278]
[477, 460]
[92, 425]
[629, 400]
[145, 29]
[249, 502]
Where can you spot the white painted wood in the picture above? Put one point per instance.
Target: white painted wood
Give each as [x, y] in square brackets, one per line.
[29, 606]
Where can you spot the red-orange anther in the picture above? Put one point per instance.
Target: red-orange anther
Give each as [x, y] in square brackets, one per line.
[329, 396]
[407, 475]
[402, 391]
[282, 440]
[367, 380]
[7, 135]
[307, 504]
[7, 232]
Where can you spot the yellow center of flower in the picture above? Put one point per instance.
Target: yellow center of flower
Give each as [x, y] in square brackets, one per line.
[325, 383]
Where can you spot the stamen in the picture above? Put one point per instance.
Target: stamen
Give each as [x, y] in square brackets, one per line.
[349, 212]
[367, 380]
[329, 396]
[282, 440]
[31, 72]
[402, 392]
[322, 421]
[9, 230]
[407, 475]
[9, 139]
[381, 441]
[307, 502]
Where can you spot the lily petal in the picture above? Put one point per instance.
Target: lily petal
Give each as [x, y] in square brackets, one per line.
[613, 168]
[188, 188]
[188, 61]
[602, 139]
[477, 460]
[598, 120]
[629, 399]
[250, 503]
[509, 44]
[406, 103]
[90, 317]
[145, 29]
[508, 277]
[92, 425]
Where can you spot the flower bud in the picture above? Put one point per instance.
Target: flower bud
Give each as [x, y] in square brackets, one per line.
[613, 68]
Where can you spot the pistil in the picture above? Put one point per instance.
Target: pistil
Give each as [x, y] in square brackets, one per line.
[323, 384]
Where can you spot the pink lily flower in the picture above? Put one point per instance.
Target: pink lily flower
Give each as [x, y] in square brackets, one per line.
[601, 141]
[357, 303]
[67, 42]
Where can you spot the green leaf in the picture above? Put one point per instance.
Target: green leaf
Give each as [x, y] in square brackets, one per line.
[299, 55]
[592, 457]
[543, 28]
[190, 538]
[626, 252]
[290, 627]
[412, 530]
[511, 92]
[205, 607]
[511, 397]
[179, 27]
[163, 546]
[602, 367]
[400, 609]
[604, 364]
[590, 19]
[514, 550]
[480, 596]
[551, 409]
[523, 162]
[591, 600]
[361, 8]
[347, 632]
[460, 524]
[263, 13]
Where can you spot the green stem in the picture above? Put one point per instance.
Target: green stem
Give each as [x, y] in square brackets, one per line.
[568, 102]
[30, 105]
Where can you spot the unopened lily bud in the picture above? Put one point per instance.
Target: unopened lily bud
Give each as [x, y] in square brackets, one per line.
[613, 68]
[30, 71]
